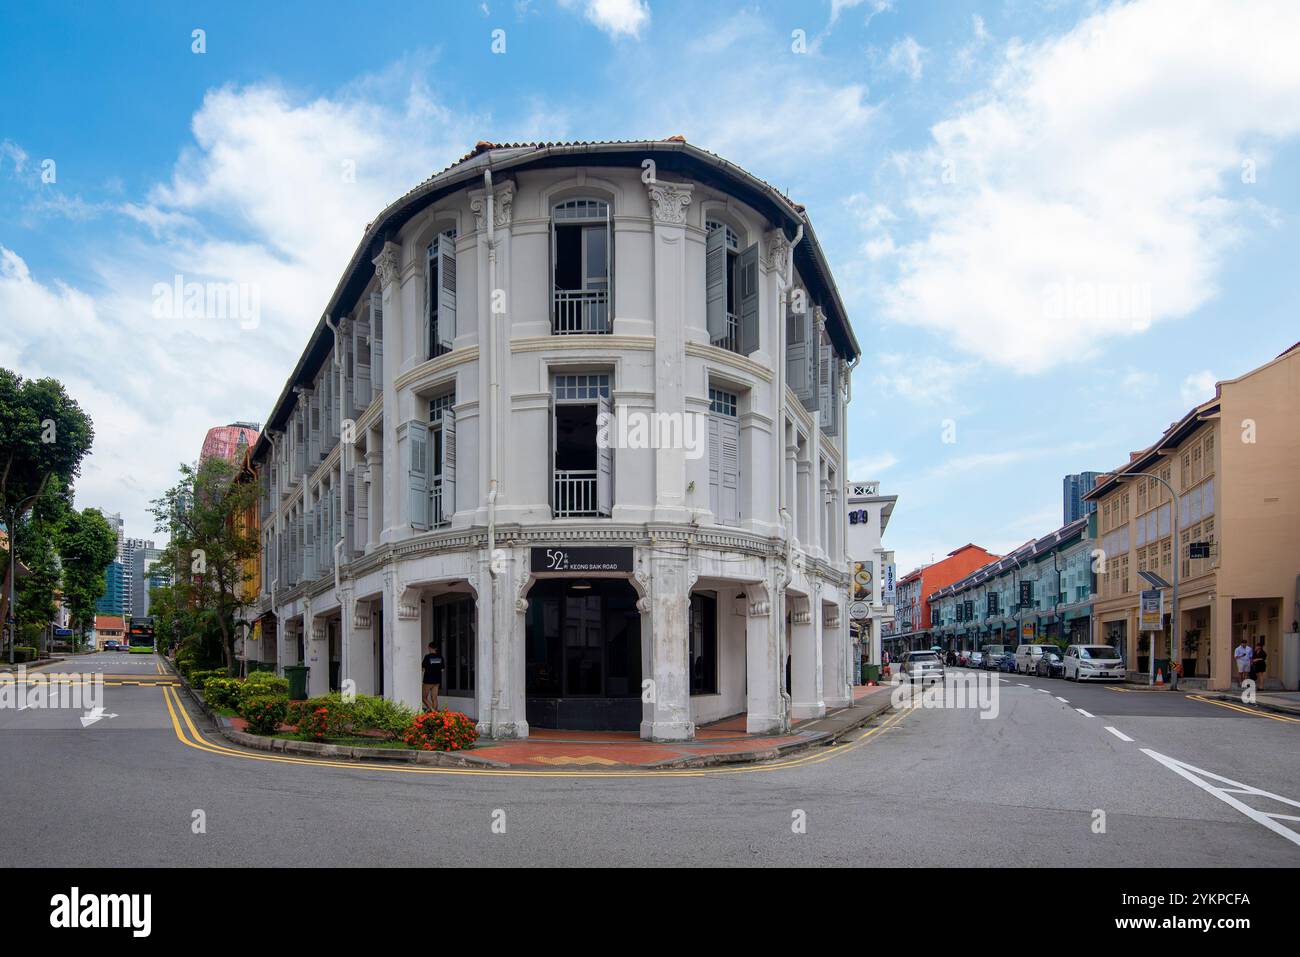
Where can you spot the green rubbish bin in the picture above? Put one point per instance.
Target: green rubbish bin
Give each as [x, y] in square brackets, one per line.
[297, 675]
[870, 673]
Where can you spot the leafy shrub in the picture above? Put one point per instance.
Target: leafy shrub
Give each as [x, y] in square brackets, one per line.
[440, 731]
[372, 713]
[318, 720]
[23, 653]
[222, 692]
[264, 713]
[264, 683]
[199, 676]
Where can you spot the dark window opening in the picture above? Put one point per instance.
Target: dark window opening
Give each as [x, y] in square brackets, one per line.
[575, 438]
[703, 638]
[453, 630]
[583, 642]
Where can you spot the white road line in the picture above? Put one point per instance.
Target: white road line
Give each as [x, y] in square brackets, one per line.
[1119, 734]
[1062, 700]
[1084, 713]
[1043, 690]
[1023, 685]
[1195, 775]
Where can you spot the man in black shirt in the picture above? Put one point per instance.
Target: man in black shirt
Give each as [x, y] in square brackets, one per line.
[432, 665]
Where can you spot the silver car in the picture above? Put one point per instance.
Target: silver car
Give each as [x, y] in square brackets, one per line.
[921, 666]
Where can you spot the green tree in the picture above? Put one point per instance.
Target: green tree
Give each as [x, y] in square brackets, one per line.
[44, 435]
[210, 551]
[37, 539]
[87, 545]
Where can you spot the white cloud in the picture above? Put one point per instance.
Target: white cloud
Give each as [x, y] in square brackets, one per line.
[926, 380]
[1198, 387]
[1093, 189]
[616, 17]
[906, 56]
[875, 8]
[870, 467]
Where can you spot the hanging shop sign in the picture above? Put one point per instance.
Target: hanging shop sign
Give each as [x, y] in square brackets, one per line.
[1151, 610]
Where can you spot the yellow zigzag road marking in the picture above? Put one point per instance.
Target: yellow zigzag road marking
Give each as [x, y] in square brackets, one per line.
[196, 740]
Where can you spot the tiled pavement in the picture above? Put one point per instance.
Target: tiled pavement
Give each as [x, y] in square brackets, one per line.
[721, 742]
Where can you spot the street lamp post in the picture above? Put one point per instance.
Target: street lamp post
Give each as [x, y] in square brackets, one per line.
[1175, 651]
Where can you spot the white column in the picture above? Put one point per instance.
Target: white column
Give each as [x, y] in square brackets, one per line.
[668, 203]
[837, 689]
[668, 716]
[359, 645]
[388, 268]
[763, 665]
[402, 642]
[806, 662]
[501, 689]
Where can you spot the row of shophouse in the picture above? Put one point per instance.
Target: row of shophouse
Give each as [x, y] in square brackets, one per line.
[449, 463]
[1212, 505]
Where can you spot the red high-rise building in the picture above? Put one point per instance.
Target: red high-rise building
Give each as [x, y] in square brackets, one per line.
[228, 441]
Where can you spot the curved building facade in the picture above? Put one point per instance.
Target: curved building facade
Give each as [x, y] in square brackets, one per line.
[576, 414]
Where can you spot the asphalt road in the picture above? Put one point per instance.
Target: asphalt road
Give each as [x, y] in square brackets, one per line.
[925, 786]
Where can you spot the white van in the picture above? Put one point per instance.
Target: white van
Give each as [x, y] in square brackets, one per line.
[1027, 657]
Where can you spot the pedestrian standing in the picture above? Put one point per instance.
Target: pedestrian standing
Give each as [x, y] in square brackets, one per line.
[432, 666]
[1242, 656]
[1259, 663]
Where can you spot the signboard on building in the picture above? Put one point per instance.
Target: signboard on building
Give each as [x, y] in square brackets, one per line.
[1029, 631]
[863, 577]
[581, 560]
[890, 586]
[993, 604]
[1151, 610]
[1026, 594]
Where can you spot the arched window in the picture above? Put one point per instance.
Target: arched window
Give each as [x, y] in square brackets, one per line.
[582, 252]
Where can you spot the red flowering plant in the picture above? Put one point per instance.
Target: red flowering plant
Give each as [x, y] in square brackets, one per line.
[314, 722]
[440, 731]
[264, 713]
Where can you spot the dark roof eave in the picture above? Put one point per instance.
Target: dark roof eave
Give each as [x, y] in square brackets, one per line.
[1189, 424]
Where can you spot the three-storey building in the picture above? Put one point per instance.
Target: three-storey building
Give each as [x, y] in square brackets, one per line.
[575, 413]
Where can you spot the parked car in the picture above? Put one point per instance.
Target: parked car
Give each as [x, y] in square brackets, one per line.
[1050, 665]
[1093, 663]
[991, 655]
[976, 659]
[112, 645]
[1027, 657]
[921, 666]
[1007, 662]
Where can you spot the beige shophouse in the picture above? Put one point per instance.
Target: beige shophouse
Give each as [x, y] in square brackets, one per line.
[1234, 463]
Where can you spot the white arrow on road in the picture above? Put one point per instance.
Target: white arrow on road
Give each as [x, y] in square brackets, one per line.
[90, 717]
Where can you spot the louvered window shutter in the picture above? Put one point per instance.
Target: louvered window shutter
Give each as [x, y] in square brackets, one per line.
[376, 344]
[361, 510]
[604, 465]
[729, 497]
[796, 352]
[748, 269]
[715, 467]
[448, 465]
[715, 283]
[417, 471]
[446, 291]
[361, 391]
[824, 357]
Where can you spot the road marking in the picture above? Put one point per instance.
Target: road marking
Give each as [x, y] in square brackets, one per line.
[190, 736]
[1084, 713]
[1233, 706]
[1044, 690]
[1023, 685]
[1119, 734]
[1196, 775]
[1062, 700]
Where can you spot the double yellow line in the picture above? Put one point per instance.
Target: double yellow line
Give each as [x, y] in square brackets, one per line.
[189, 735]
[1243, 709]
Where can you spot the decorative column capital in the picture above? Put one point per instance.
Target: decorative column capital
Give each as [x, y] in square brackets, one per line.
[361, 615]
[503, 200]
[778, 252]
[388, 264]
[668, 202]
[408, 604]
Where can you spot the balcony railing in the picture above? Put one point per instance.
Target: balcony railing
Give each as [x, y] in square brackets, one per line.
[436, 517]
[575, 493]
[729, 340]
[581, 311]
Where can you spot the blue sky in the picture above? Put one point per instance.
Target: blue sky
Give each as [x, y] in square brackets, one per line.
[1054, 224]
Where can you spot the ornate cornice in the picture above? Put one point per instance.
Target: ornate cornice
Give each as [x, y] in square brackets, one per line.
[668, 202]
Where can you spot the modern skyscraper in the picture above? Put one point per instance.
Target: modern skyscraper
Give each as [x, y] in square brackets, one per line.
[1074, 487]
